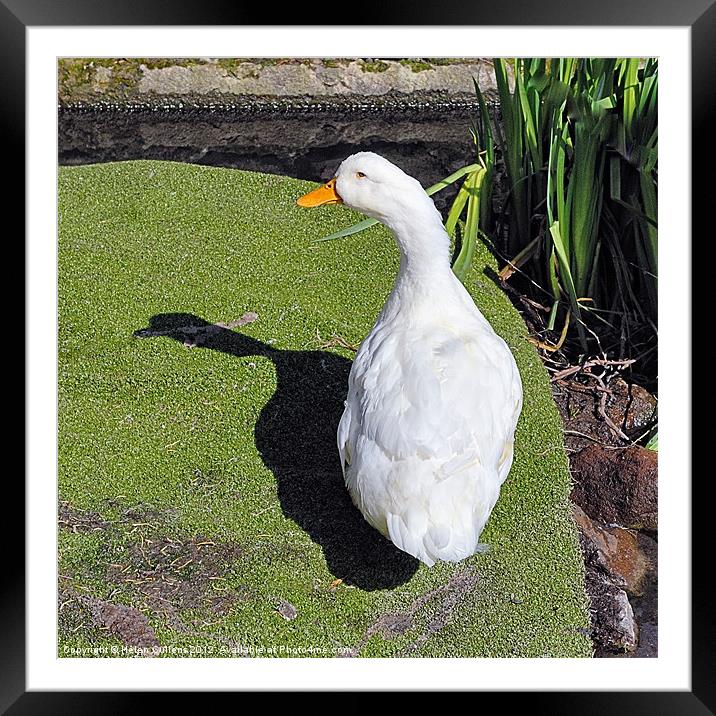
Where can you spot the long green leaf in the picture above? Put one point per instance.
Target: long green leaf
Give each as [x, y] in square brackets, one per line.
[354, 229]
[462, 263]
[566, 275]
[457, 208]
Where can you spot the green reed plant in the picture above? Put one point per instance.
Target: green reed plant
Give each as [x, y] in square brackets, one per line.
[578, 140]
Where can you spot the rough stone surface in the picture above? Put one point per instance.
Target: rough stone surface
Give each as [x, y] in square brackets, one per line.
[314, 79]
[621, 581]
[83, 79]
[616, 550]
[613, 625]
[617, 486]
[614, 628]
[631, 408]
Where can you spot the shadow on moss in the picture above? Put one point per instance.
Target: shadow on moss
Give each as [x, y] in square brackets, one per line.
[296, 438]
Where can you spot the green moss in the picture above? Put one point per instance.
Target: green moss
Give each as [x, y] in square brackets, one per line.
[449, 60]
[73, 76]
[78, 78]
[233, 441]
[335, 62]
[374, 66]
[235, 63]
[417, 65]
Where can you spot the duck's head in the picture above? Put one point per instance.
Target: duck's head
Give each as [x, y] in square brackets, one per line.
[374, 186]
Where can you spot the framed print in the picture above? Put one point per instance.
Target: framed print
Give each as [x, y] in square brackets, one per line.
[194, 342]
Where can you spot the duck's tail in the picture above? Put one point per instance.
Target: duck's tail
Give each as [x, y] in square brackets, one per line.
[434, 542]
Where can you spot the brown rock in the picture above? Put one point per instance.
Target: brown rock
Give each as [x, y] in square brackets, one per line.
[615, 550]
[614, 628]
[286, 610]
[631, 408]
[617, 486]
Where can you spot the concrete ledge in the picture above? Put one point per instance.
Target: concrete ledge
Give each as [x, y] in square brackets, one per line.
[138, 80]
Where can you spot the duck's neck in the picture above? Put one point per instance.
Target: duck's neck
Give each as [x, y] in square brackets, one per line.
[424, 248]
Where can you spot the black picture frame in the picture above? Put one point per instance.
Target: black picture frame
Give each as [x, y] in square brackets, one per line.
[698, 15]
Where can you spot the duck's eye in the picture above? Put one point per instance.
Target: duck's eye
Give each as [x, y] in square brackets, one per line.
[360, 175]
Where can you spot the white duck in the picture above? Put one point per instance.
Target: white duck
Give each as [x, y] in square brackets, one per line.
[426, 439]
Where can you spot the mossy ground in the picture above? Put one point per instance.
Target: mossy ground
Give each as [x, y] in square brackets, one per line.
[176, 434]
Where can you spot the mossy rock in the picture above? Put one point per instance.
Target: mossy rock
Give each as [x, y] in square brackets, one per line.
[198, 471]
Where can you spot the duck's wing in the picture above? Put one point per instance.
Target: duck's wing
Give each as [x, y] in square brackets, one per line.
[481, 387]
[449, 395]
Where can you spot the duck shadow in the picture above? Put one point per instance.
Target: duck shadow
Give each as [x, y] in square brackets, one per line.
[295, 435]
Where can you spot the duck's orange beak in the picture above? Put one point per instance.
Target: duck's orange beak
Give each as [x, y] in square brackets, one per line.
[325, 194]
